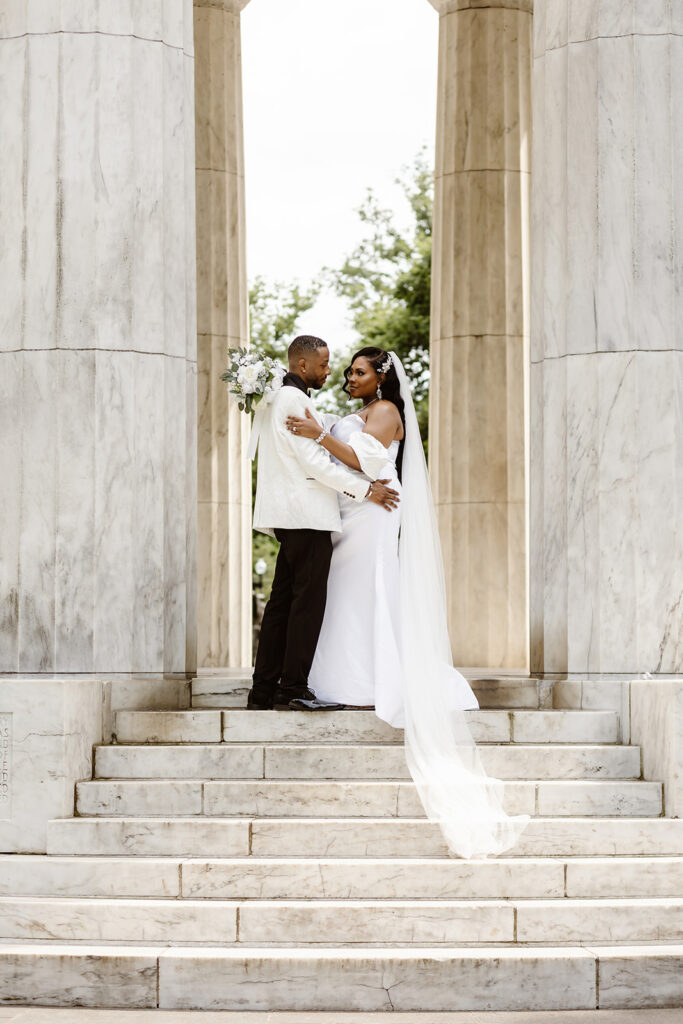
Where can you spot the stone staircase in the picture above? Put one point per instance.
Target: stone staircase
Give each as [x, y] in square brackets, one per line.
[230, 859]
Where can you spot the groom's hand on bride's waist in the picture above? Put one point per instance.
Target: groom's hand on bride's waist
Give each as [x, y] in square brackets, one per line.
[382, 495]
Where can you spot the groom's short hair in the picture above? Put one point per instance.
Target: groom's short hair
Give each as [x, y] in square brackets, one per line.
[303, 346]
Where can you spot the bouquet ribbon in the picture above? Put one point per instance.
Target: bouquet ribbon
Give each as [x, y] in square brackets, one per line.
[257, 425]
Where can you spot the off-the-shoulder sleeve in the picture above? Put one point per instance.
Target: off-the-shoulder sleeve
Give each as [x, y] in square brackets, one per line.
[372, 454]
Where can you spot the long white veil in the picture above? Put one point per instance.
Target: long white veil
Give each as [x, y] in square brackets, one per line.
[442, 756]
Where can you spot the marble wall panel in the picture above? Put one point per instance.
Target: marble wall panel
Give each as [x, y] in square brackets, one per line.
[659, 459]
[536, 527]
[53, 727]
[154, 21]
[37, 498]
[583, 20]
[615, 17]
[582, 507]
[676, 42]
[74, 570]
[179, 506]
[615, 196]
[606, 460]
[676, 20]
[13, 249]
[656, 708]
[103, 314]
[10, 510]
[553, 203]
[149, 535]
[653, 16]
[551, 587]
[113, 605]
[178, 194]
[537, 221]
[556, 24]
[191, 517]
[618, 523]
[653, 279]
[580, 225]
[41, 191]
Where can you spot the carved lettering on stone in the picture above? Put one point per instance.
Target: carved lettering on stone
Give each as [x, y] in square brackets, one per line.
[5, 764]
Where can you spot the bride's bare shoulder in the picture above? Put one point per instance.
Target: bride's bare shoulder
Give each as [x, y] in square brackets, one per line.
[384, 409]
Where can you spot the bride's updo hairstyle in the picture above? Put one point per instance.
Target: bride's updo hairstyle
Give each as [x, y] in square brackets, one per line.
[391, 389]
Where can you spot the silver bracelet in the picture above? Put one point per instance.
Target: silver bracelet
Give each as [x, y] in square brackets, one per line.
[320, 437]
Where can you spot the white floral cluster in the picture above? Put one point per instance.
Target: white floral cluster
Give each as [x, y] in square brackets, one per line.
[250, 376]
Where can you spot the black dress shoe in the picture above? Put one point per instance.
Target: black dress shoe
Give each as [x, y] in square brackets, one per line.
[307, 701]
[259, 702]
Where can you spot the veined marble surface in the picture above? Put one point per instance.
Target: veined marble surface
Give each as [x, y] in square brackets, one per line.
[657, 724]
[98, 338]
[606, 460]
[19, 1015]
[48, 729]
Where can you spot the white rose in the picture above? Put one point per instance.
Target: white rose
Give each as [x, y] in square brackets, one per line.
[247, 377]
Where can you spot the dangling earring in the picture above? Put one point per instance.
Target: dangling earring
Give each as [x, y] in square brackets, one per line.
[379, 392]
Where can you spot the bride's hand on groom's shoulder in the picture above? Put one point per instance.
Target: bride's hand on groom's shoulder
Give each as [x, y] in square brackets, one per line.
[308, 427]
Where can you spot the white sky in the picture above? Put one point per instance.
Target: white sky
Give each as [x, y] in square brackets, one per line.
[338, 96]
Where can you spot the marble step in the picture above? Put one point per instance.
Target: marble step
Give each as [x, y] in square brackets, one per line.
[315, 799]
[290, 922]
[348, 837]
[241, 726]
[355, 878]
[447, 878]
[300, 761]
[221, 689]
[226, 689]
[362, 980]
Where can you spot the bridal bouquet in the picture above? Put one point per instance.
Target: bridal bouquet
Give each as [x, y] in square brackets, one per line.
[250, 376]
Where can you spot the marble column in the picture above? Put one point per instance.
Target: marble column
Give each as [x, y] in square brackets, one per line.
[224, 474]
[479, 343]
[606, 495]
[97, 338]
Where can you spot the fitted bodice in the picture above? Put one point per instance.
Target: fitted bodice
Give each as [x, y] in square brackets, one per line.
[351, 424]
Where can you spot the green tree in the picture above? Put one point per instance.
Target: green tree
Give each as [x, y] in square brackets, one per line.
[386, 281]
[274, 311]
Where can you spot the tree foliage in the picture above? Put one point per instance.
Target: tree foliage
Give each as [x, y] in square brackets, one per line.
[274, 311]
[386, 280]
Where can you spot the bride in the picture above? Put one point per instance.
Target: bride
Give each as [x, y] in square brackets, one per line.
[384, 640]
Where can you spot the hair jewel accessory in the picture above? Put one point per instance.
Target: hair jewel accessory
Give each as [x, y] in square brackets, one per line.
[385, 366]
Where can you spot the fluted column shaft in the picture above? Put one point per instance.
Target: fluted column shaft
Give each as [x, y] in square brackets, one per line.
[479, 332]
[224, 480]
[97, 338]
[607, 347]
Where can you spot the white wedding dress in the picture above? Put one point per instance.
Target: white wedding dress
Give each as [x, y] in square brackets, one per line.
[358, 658]
[384, 641]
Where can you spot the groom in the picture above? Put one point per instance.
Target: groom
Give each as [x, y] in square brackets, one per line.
[296, 500]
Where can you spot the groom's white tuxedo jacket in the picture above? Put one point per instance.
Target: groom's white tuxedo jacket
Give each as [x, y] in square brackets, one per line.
[297, 482]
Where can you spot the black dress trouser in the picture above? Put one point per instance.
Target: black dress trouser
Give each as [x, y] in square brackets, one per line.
[294, 614]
